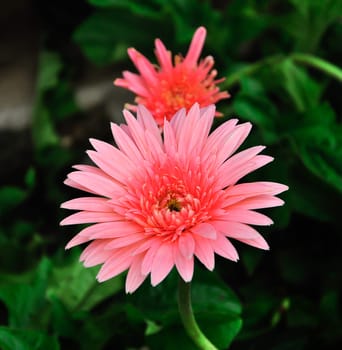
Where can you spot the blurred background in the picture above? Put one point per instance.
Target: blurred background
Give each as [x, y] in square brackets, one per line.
[281, 61]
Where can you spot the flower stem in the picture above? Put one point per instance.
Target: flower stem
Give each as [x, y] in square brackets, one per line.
[250, 69]
[188, 318]
[318, 63]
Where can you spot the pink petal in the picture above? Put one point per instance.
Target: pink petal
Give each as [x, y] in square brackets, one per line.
[88, 217]
[94, 254]
[144, 66]
[137, 132]
[77, 240]
[184, 265]
[97, 257]
[205, 230]
[233, 142]
[170, 142]
[88, 204]
[259, 202]
[96, 183]
[205, 253]
[162, 263]
[186, 245]
[134, 277]
[113, 230]
[177, 121]
[145, 245]
[185, 133]
[112, 167]
[163, 56]
[124, 241]
[145, 118]
[196, 47]
[247, 217]
[146, 265]
[219, 135]
[241, 232]
[251, 189]
[98, 230]
[133, 82]
[126, 144]
[257, 242]
[74, 184]
[119, 262]
[223, 247]
[198, 132]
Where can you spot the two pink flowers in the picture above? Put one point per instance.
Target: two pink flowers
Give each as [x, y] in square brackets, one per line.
[168, 192]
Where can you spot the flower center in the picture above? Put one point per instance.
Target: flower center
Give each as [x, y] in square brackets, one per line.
[174, 205]
[171, 199]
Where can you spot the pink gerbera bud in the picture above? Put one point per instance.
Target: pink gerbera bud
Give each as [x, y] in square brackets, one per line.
[162, 199]
[166, 89]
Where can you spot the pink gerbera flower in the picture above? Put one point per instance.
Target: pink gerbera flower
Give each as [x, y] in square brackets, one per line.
[167, 89]
[160, 200]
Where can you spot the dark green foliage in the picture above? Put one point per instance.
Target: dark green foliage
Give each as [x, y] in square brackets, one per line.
[280, 60]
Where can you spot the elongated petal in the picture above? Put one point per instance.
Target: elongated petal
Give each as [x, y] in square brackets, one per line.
[196, 47]
[88, 204]
[184, 266]
[162, 263]
[88, 217]
[186, 246]
[205, 253]
[248, 217]
[205, 230]
[119, 262]
[163, 56]
[222, 246]
[143, 65]
[134, 277]
[256, 188]
[96, 183]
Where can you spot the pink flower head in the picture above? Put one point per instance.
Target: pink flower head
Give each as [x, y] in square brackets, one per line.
[160, 200]
[167, 89]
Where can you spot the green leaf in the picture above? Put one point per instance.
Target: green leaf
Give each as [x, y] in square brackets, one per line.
[77, 287]
[50, 66]
[320, 64]
[216, 309]
[43, 131]
[302, 313]
[14, 339]
[61, 318]
[314, 198]
[152, 327]
[149, 9]
[310, 21]
[220, 332]
[323, 156]
[105, 36]
[30, 178]
[10, 197]
[303, 90]
[61, 101]
[24, 301]
[257, 108]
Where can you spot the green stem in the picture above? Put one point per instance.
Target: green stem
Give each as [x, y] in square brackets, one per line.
[318, 63]
[303, 58]
[235, 78]
[188, 318]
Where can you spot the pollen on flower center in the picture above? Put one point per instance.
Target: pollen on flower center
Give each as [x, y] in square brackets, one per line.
[174, 205]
